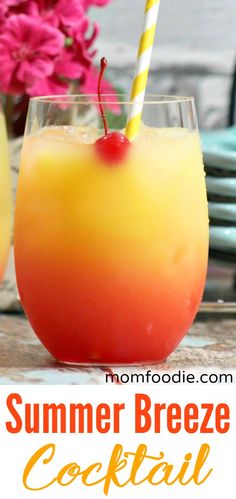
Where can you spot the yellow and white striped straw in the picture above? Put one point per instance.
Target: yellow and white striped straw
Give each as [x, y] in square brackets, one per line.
[142, 68]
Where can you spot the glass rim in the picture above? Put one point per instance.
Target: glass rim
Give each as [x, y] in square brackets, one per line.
[91, 99]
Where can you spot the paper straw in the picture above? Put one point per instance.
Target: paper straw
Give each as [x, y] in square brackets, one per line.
[142, 68]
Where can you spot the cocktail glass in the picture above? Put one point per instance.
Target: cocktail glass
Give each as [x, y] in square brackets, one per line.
[5, 196]
[110, 256]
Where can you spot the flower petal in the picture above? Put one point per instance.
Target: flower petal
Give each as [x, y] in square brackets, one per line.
[48, 86]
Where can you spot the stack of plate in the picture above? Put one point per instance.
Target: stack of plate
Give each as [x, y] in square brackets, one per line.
[219, 155]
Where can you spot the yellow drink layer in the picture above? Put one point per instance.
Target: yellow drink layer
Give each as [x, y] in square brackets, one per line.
[5, 196]
[151, 208]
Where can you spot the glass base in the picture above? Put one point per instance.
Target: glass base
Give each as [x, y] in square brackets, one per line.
[107, 365]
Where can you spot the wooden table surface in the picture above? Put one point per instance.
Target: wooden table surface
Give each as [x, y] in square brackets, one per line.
[210, 344]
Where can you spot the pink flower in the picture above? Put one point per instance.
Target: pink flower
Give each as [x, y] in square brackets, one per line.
[13, 3]
[68, 65]
[45, 49]
[3, 12]
[64, 13]
[27, 53]
[8, 7]
[76, 58]
[87, 41]
[52, 85]
[89, 86]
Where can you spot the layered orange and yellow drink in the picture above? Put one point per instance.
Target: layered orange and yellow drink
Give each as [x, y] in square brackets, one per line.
[111, 259]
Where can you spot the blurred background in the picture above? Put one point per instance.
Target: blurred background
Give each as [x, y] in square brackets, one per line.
[194, 53]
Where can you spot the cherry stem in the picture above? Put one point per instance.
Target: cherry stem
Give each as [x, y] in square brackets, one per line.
[102, 71]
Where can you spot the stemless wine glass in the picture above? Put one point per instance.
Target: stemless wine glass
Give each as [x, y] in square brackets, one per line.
[111, 255]
[5, 196]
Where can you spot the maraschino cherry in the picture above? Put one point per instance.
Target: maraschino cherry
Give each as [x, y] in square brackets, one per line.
[112, 147]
